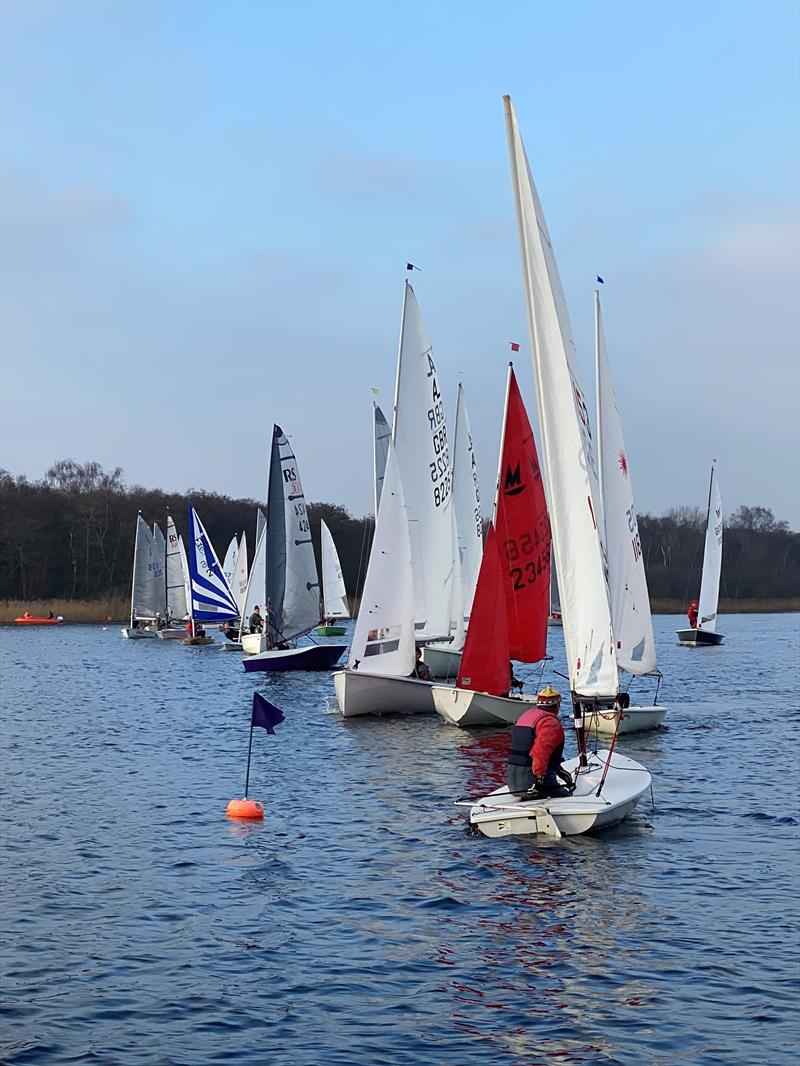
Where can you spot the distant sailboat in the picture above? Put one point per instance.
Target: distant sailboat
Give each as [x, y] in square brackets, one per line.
[516, 568]
[378, 676]
[285, 562]
[147, 586]
[210, 597]
[607, 785]
[334, 594]
[706, 635]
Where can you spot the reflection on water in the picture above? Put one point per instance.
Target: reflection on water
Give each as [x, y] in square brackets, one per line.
[361, 922]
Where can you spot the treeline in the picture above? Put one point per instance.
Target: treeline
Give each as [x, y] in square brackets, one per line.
[70, 536]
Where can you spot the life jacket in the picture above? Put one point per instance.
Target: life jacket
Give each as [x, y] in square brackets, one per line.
[523, 736]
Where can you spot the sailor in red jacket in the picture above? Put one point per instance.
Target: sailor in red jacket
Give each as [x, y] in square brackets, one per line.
[691, 614]
[537, 747]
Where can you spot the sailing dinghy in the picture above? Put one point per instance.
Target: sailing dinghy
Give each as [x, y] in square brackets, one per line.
[147, 585]
[443, 659]
[377, 679]
[334, 594]
[706, 635]
[210, 597]
[608, 786]
[285, 563]
[175, 569]
[512, 600]
[631, 620]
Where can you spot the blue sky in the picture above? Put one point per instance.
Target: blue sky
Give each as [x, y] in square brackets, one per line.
[207, 209]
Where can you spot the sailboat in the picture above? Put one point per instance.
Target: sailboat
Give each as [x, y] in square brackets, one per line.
[607, 785]
[631, 621]
[706, 635]
[176, 585]
[210, 597]
[286, 565]
[334, 594]
[377, 678]
[518, 585]
[443, 659]
[147, 587]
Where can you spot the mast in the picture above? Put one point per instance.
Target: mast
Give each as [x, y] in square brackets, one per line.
[502, 442]
[166, 550]
[135, 553]
[598, 401]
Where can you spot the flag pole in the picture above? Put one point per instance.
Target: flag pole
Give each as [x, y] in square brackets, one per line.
[249, 749]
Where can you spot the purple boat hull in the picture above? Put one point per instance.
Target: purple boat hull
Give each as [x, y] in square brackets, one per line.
[310, 657]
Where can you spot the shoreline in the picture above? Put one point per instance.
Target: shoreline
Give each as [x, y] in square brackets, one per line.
[114, 611]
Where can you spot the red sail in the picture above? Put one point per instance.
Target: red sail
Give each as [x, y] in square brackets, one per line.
[485, 663]
[523, 532]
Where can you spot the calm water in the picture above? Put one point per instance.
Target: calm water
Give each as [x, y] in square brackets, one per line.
[360, 923]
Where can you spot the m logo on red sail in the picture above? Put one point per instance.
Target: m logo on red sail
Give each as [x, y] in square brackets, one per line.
[513, 484]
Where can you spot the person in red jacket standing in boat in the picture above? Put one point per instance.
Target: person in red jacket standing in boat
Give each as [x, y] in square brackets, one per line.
[537, 747]
[691, 614]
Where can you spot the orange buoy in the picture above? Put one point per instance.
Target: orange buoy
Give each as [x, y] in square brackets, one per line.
[245, 808]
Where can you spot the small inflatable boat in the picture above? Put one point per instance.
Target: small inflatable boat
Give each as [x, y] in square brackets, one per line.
[32, 620]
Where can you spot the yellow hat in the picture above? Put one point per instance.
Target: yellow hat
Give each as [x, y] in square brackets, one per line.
[549, 698]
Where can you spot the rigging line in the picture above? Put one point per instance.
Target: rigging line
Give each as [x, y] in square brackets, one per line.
[610, 755]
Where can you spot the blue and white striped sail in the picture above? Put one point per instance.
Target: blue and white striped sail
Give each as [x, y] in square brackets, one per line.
[211, 597]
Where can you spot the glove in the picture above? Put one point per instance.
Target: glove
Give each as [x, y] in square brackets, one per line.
[566, 777]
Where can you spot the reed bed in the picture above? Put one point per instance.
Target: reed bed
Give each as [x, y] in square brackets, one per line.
[101, 611]
[754, 606]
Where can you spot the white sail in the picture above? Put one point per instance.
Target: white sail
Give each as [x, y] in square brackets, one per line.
[187, 590]
[381, 435]
[159, 568]
[383, 641]
[239, 582]
[292, 579]
[176, 574]
[627, 585]
[568, 452]
[422, 446]
[229, 563]
[261, 521]
[256, 588]
[334, 594]
[147, 591]
[712, 559]
[466, 507]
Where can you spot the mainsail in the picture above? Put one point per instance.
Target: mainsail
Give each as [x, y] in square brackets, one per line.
[256, 589]
[419, 435]
[523, 531]
[229, 563]
[712, 558]
[239, 583]
[292, 579]
[211, 598]
[466, 506]
[159, 568]
[627, 584]
[147, 591]
[334, 594]
[381, 435]
[485, 663]
[383, 640]
[569, 459]
[176, 575]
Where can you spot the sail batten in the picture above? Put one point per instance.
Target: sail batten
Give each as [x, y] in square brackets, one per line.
[567, 446]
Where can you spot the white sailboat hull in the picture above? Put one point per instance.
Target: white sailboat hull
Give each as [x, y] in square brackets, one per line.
[254, 643]
[634, 720]
[462, 707]
[137, 634]
[442, 661]
[501, 814]
[361, 694]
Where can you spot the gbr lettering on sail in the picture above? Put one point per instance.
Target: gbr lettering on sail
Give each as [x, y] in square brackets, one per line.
[440, 469]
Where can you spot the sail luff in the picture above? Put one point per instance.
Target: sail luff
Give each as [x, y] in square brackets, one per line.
[567, 445]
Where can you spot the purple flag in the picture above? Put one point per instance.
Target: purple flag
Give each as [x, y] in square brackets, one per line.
[265, 714]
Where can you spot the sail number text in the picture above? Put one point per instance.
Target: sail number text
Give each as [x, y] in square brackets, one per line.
[440, 469]
[532, 553]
